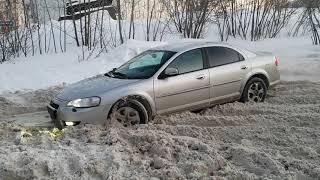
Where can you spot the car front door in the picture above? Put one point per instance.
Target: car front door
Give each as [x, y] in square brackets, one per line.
[187, 90]
[227, 70]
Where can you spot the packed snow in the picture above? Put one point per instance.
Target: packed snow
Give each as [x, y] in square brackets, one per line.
[278, 139]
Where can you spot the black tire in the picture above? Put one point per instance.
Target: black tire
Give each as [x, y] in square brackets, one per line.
[134, 104]
[58, 124]
[258, 95]
[199, 111]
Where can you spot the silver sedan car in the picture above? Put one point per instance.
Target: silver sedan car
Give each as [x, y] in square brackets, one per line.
[167, 79]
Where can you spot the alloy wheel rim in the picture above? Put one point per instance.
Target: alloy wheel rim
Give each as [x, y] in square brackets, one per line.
[127, 116]
[256, 92]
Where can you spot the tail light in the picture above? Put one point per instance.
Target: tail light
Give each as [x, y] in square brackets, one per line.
[277, 62]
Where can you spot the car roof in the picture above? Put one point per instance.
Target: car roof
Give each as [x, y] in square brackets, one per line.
[187, 45]
[183, 46]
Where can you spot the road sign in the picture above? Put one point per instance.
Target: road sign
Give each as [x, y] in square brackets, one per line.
[6, 23]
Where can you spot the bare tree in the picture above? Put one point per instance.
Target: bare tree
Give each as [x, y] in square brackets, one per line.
[38, 26]
[119, 21]
[190, 16]
[256, 19]
[132, 32]
[156, 22]
[74, 24]
[52, 32]
[309, 20]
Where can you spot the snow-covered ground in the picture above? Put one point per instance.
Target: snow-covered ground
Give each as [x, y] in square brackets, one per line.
[278, 139]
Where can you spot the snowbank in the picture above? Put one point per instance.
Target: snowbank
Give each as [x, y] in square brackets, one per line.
[54, 69]
[299, 61]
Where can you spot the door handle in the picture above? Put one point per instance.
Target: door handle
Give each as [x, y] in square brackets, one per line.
[200, 77]
[244, 67]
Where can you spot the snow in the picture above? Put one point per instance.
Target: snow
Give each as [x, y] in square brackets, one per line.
[54, 69]
[299, 61]
[278, 139]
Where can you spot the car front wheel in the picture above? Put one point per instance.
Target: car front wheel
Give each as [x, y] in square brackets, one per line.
[129, 112]
[255, 91]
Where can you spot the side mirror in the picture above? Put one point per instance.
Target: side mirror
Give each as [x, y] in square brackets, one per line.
[108, 73]
[169, 72]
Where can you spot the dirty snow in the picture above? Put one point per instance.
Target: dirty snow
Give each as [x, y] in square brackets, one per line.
[279, 139]
[21, 102]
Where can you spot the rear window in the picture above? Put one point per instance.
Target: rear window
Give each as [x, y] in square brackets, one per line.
[219, 56]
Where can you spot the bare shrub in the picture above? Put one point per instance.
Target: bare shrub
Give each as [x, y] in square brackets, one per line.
[309, 20]
[190, 17]
[254, 19]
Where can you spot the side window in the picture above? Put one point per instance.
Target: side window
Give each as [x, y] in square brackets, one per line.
[221, 56]
[188, 62]
[241, 58]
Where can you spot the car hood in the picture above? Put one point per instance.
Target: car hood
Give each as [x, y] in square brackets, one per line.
[95, 86]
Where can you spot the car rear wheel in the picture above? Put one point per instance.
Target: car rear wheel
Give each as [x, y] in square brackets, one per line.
[255, 91]
[129, 113]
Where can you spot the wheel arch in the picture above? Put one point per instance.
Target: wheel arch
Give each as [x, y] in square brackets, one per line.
[140, 98]
[262, 75]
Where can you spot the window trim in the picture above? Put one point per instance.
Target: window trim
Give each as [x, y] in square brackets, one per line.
[208, 59]
[204, 61]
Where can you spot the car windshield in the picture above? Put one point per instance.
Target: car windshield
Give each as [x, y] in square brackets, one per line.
[142, 66]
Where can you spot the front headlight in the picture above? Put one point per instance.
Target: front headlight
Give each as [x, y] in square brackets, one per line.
[85, 102]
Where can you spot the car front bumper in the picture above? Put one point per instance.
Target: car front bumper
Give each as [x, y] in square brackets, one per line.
[63, 114]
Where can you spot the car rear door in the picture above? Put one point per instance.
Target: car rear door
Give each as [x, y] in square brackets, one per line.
[188, 90]
[227, 70]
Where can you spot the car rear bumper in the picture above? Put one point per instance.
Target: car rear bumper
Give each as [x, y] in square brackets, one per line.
[275, 83]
